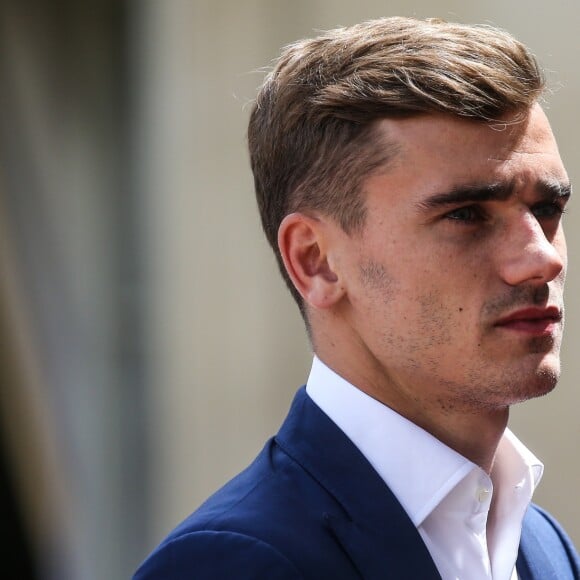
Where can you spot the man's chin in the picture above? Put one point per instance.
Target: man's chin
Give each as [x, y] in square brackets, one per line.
[540, 382]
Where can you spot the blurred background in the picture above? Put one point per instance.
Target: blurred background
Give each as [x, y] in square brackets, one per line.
[147, 345]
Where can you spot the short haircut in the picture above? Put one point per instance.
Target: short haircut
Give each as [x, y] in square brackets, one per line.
[312, 132]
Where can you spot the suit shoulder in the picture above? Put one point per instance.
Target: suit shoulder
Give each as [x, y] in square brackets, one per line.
[273, 507]
[215, 555]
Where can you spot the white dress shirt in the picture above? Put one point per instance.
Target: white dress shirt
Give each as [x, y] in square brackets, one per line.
[447, 497]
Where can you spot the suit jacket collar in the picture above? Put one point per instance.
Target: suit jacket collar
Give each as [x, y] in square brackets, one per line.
[372, 526]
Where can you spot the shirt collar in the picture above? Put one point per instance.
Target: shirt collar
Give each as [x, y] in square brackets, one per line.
[516, 466]
[418, 468]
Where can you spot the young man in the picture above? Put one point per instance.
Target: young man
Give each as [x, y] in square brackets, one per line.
[412, 190]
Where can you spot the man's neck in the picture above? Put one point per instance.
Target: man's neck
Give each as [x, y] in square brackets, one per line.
[476, 436]
[473, 432]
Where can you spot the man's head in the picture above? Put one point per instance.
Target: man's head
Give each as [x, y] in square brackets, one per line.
[412, 188]
[313, 133]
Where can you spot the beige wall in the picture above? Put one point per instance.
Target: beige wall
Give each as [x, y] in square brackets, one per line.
[226, 347]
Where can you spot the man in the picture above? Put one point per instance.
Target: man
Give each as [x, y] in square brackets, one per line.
[412, 190]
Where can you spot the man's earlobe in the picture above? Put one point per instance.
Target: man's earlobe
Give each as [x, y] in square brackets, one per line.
[304, 245]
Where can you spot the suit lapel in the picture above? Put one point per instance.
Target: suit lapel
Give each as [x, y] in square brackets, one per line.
[369, 523]
[542, 555]
[533, 563]
[379, 556]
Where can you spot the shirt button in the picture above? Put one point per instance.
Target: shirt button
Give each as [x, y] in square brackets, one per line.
[482, 494]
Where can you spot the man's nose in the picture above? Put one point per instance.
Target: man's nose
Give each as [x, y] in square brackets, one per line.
[528, 255]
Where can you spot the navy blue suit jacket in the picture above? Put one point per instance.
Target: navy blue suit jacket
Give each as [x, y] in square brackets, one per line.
[311, 507]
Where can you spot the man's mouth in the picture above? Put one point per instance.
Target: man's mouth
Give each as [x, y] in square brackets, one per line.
[535, 321]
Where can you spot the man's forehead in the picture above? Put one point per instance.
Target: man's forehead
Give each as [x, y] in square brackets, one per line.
[440, 153]
[448, 138]
[510, 125]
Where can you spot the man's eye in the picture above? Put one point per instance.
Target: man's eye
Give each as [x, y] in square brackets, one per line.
[468, 213]
[547, 210]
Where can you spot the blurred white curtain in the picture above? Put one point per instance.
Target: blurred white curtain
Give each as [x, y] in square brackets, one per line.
[69, 268]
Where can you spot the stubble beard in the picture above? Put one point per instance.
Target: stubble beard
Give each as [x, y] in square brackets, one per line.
[514, 383]
[485, 391]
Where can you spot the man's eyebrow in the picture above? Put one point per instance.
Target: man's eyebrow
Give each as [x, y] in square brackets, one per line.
[499, 191]
[469, 193]
[555, 189]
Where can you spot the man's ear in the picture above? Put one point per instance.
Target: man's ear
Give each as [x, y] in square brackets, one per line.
[304, 245]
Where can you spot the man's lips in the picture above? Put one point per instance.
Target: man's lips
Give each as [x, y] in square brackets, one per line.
[537, 321]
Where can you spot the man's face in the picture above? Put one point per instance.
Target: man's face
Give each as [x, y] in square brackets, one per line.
[455, 284]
